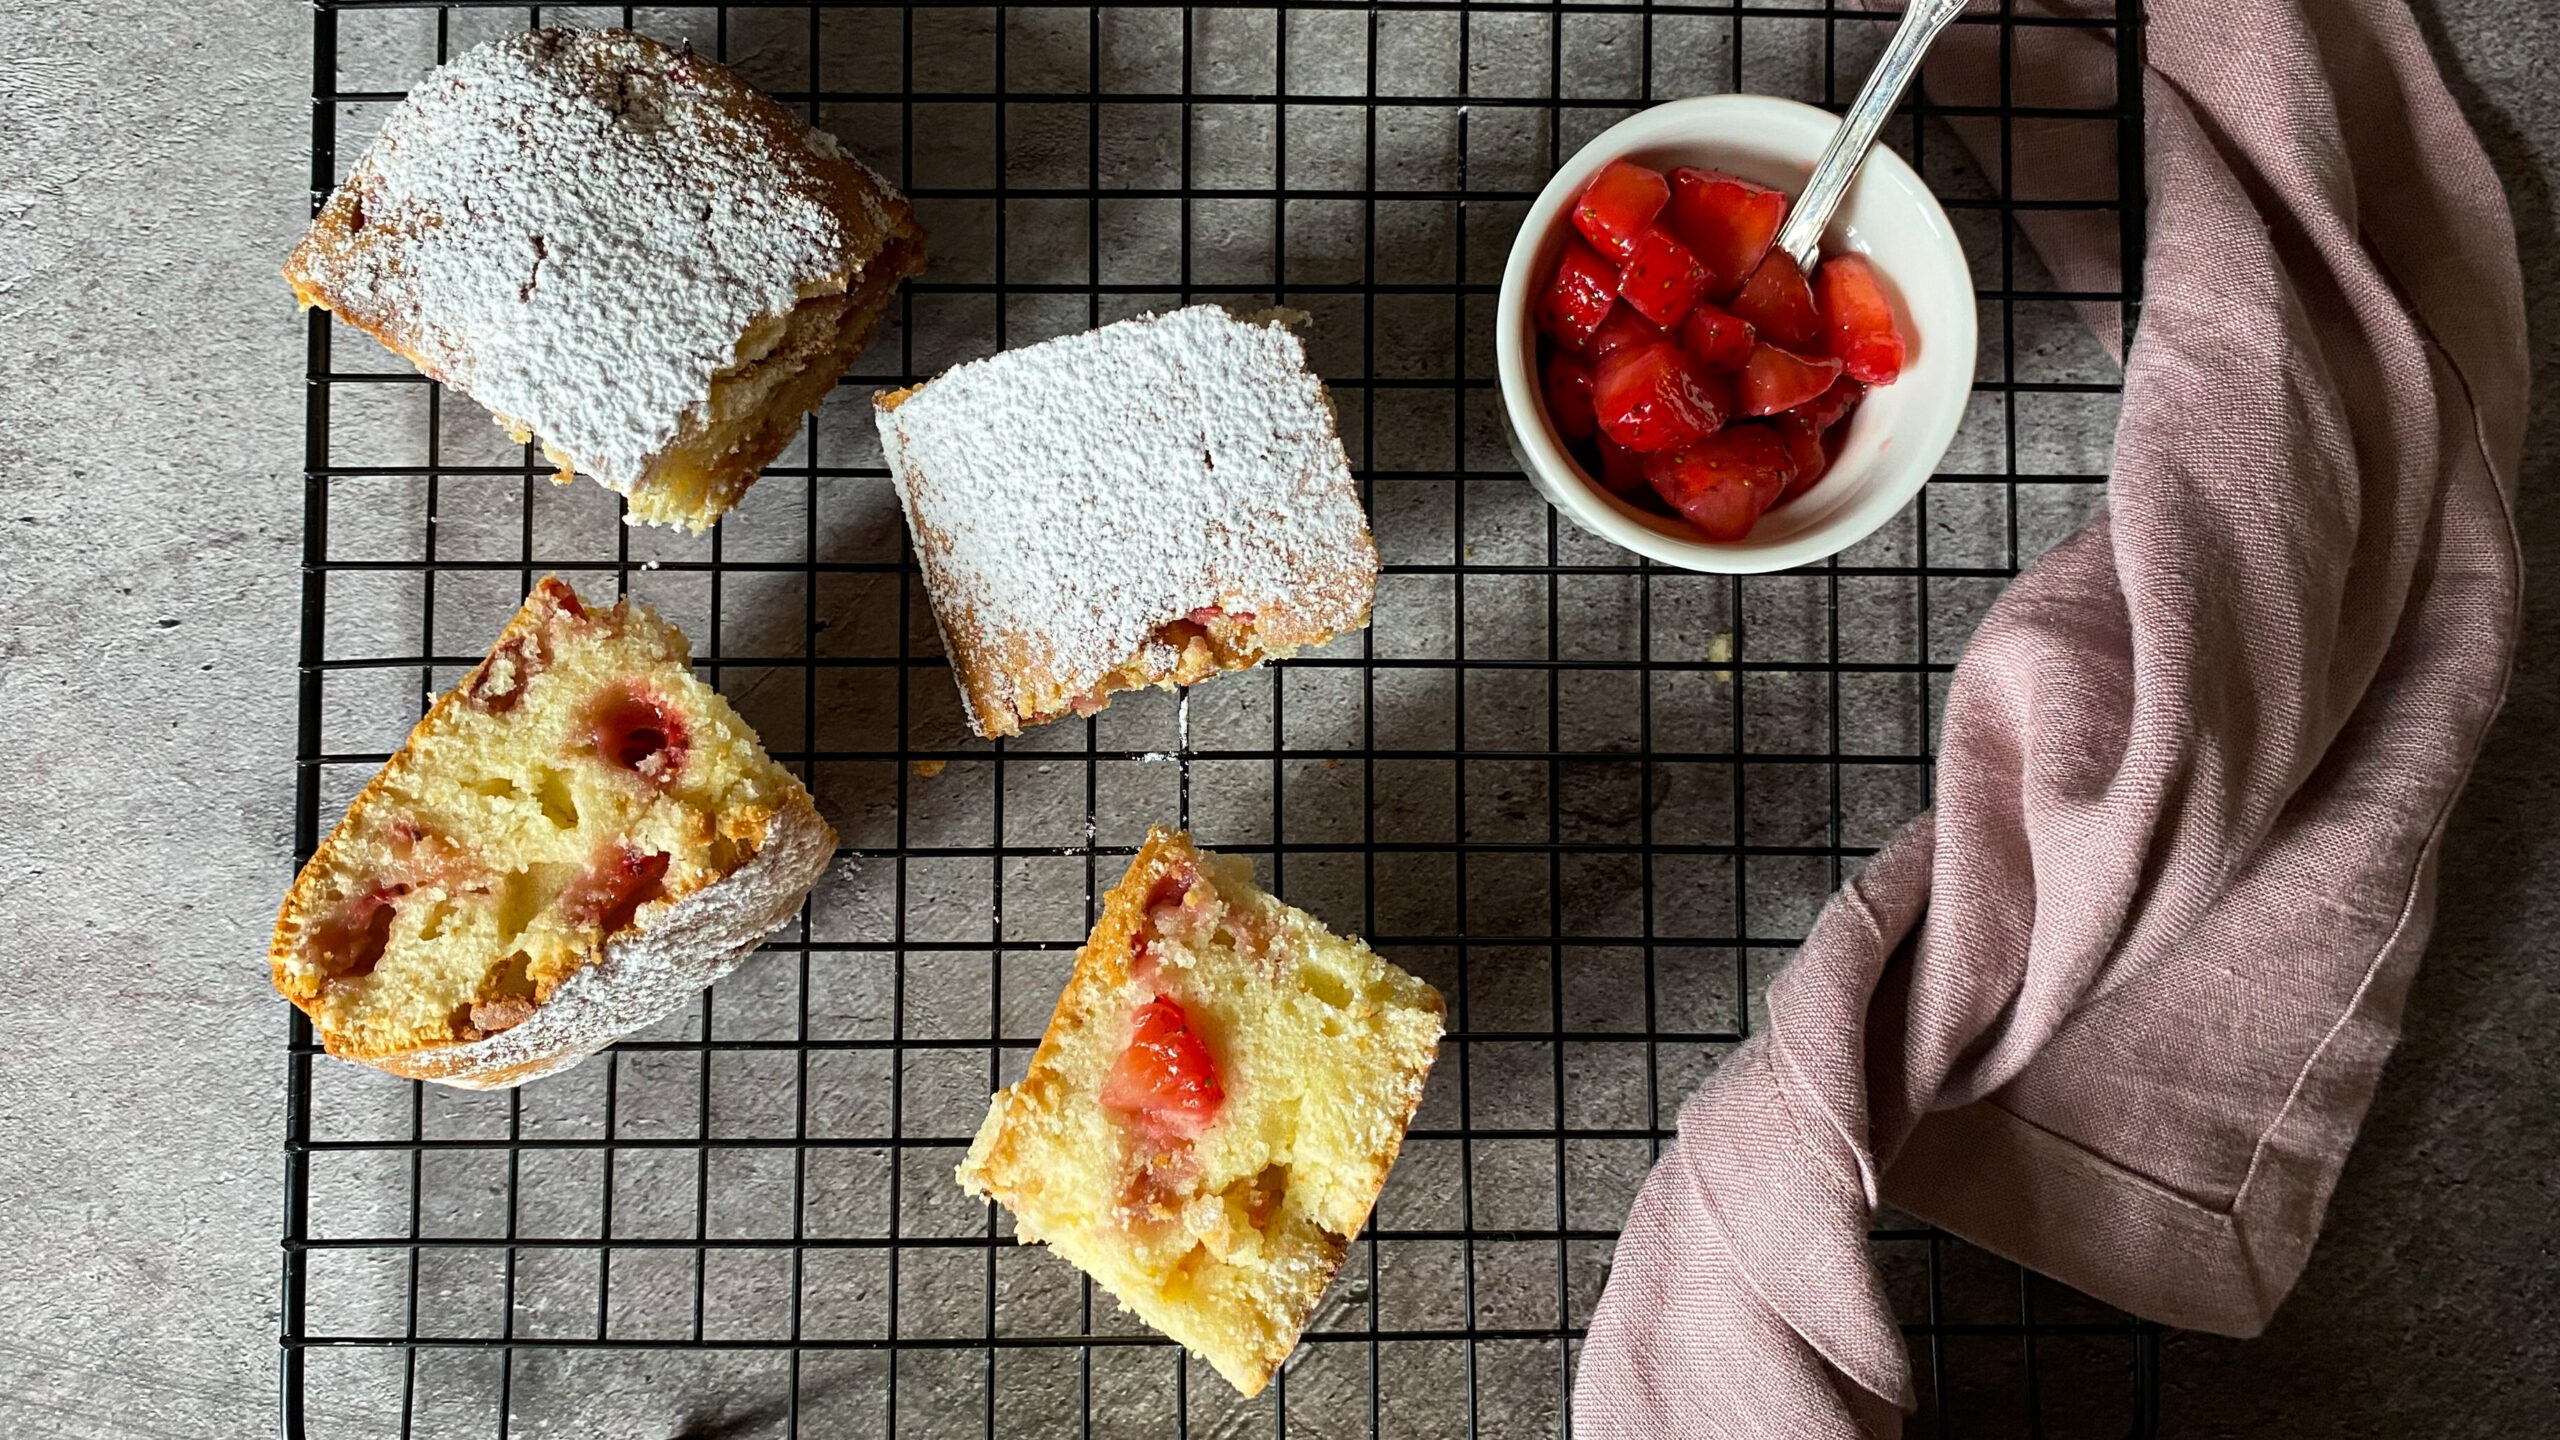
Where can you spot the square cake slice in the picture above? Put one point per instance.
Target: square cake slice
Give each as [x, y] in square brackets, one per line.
[1149, 503]
[1214, 1107]
[620, 248]
[577, 838]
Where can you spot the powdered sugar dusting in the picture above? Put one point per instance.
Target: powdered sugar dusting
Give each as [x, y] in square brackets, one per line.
[577, 228]
[1073, 497]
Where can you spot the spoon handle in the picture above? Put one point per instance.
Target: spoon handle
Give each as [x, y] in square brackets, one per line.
[1801, 237]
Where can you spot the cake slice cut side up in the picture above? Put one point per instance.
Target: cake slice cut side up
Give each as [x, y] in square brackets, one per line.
[1214, 1107]
[1147, 504]
[575, 840]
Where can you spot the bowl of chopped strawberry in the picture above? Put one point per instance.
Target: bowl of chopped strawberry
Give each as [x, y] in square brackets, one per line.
[1675, 383]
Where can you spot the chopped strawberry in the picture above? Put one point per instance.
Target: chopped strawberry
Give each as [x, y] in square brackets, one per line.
[1579, 296]
[1723, 482]
[1622, 471]
[1716, 339]
[1661, 278]
[1833, 405]
[1805, 451]
[1650, 398]
[1774, 379]
[1569, 397]
[640, 733]
[1623, 328]
[1165, 1079]
[1726, 221]
[1620, 201]
[608, 894]
[1779, 304]
[1857, 319]
[1207, 615]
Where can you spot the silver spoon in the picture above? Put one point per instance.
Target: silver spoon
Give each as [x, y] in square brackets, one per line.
[1922, 20]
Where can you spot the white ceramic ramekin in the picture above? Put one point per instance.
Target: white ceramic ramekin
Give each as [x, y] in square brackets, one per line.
[1901, 430]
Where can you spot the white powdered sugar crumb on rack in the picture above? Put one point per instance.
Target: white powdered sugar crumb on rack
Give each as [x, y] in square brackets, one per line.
[584, 231]
[1072, 497]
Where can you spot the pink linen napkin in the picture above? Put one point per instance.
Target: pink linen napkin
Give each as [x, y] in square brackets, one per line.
[2116, 1009]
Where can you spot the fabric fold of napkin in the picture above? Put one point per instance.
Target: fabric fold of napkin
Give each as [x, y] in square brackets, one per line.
[2117, 1007]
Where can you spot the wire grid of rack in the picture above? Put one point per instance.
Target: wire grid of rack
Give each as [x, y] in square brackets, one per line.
[1595, 801]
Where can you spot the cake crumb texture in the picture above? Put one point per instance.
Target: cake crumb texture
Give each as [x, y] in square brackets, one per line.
[1224, 1238]
[576, 839]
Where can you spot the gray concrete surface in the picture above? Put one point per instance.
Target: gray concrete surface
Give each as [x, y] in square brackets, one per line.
[151, 172]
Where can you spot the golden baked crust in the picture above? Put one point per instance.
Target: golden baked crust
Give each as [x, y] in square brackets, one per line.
[510, 892]
[1225, 1239]
[1081, 535]
[623, 251]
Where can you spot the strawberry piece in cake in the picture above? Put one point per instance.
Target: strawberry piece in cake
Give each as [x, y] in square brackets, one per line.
[1150, 503]
[1213, 1109]
[574, 840]
[1165, 1080]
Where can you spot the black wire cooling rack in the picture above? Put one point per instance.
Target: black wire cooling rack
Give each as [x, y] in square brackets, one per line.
[1594, 800]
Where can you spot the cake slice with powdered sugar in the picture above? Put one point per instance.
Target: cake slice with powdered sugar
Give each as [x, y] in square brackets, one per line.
[1149, 503]
[623, 250]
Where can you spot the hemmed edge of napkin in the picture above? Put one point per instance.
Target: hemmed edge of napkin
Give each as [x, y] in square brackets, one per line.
[1982, 1173]
[1985, 1174]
